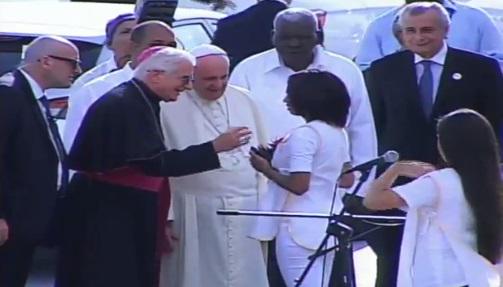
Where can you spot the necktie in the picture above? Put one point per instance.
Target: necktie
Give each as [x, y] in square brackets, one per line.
[426, 88]
[58, 143]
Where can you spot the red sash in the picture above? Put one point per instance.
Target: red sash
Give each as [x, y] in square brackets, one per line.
[135, 178]
[129, 177]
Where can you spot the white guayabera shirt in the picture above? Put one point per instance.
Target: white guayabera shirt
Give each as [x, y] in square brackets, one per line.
[265, 76]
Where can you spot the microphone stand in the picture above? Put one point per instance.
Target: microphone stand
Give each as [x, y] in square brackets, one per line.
[340, 275]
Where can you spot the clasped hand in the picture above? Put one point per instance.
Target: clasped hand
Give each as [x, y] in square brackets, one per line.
[258, 161]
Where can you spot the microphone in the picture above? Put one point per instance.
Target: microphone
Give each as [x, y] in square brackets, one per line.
[390, 156]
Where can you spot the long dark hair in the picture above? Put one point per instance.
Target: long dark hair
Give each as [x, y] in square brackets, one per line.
[469, 146]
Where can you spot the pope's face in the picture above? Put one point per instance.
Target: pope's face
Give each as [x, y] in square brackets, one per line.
[211, 75]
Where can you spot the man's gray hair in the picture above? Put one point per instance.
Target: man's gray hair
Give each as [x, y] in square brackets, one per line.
[166, 59]
[295, 14]
[418, 8]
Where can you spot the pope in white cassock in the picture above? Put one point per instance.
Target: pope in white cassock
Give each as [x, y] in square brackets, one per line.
[213, 250]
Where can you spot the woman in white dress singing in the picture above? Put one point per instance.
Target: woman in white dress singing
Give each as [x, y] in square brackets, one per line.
[454, 225]
[303, 172]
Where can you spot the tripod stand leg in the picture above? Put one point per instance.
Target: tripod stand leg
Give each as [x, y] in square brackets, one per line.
[312, 259]
[343, 274]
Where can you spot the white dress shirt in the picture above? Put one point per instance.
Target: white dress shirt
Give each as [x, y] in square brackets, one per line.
[316, 148]
[80, 100]
[439, 245]
[265, 76]
[437, 66]
[96, 72]
[471, 29]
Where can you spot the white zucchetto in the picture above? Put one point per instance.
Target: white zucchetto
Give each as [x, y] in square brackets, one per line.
[205, 50]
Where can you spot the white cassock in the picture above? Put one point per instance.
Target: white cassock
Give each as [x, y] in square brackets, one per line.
[214, 250]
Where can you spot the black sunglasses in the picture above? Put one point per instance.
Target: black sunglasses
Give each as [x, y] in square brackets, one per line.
[75, 63]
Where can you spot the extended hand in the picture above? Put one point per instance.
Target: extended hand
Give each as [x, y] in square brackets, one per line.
[4, 231]
[231, 139]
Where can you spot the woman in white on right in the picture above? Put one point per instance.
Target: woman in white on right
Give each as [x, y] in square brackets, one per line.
[453, 231]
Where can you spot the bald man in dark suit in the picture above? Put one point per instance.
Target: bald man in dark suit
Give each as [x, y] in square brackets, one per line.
[32, 153]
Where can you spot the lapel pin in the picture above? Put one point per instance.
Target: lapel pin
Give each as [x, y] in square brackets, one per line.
[457, 76]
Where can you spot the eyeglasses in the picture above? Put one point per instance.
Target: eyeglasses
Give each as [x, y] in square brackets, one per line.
[185, 79]
[74, 62]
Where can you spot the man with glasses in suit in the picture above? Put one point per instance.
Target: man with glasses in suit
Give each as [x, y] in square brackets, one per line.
[32, 170]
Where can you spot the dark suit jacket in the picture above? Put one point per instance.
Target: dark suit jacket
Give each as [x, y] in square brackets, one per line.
[249, 31]
[29, 162]
[468, 80]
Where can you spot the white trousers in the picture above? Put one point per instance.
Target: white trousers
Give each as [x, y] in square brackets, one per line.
[292, 260]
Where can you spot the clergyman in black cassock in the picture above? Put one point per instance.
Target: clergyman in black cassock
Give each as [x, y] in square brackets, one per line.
[113, 213]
